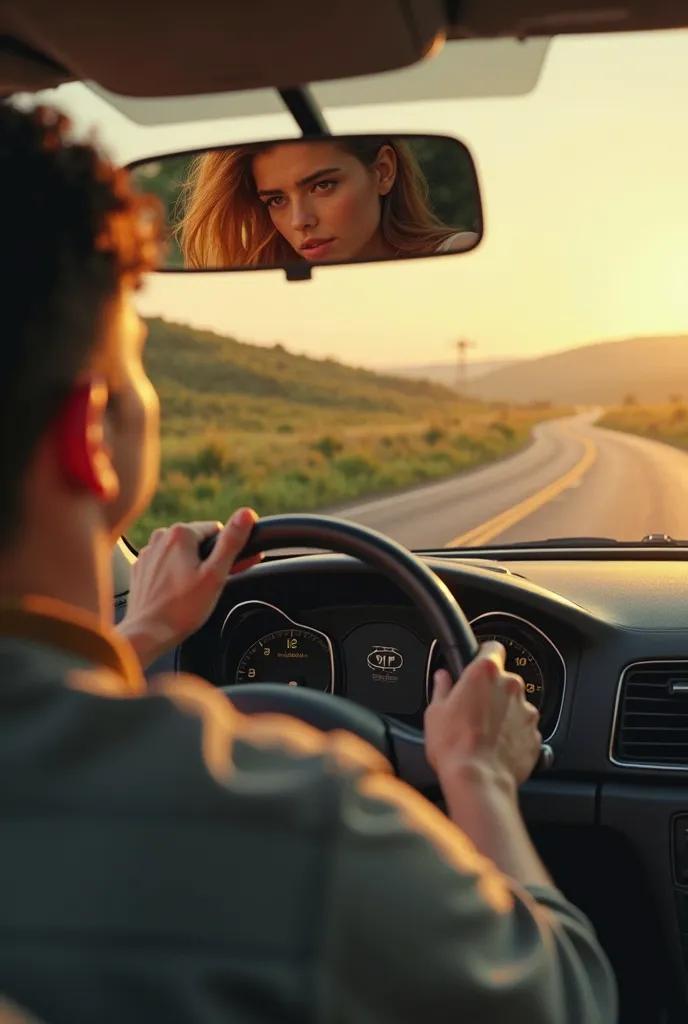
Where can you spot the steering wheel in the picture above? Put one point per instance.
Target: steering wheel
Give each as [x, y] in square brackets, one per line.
[402, 745]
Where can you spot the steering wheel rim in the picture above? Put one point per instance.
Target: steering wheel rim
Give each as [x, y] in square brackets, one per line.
[428, 592]
[403, 745]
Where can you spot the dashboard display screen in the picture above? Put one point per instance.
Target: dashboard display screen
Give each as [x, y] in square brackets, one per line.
[385, 668]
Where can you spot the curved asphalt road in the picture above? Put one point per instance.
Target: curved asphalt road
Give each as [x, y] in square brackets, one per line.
[574, 479]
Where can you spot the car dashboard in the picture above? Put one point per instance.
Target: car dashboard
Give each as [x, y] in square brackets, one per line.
[378, 654]
[602, 644]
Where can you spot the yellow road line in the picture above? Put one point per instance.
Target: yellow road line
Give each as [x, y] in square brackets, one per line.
[487, 531]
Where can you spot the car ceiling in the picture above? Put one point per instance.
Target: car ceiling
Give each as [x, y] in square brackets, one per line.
[146, 48]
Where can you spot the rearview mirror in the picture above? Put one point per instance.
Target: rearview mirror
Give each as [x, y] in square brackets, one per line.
[297, 203]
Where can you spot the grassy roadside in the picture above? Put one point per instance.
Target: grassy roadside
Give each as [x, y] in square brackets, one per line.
[207, 472]
[665, 421]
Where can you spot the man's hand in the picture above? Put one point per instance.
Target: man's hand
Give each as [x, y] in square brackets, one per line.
[483, 724]
[482, 739]
[172, 591]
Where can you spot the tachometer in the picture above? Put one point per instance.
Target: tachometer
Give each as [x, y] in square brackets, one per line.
[295, 657]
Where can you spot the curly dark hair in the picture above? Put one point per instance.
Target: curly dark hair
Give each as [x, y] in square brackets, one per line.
[74, 231]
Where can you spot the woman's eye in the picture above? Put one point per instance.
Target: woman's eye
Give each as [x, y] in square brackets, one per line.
[324, 186]
[274, 201]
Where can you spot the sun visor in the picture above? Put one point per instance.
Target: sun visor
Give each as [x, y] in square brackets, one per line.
[463, 69]
[137, 48]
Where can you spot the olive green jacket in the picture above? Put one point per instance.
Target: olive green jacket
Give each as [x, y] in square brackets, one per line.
[165, 859]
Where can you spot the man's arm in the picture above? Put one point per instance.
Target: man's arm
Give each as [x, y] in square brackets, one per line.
[421, 927]
[485, 807]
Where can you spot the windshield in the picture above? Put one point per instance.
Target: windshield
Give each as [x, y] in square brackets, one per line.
[534, 388]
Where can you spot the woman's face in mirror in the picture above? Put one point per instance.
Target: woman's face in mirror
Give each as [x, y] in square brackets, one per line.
[323, 200]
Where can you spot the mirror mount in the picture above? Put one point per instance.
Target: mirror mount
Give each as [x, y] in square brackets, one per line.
[298, 271]
[303, 108]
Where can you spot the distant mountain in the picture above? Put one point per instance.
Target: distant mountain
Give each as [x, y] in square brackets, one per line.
[447, 373]
[603, 373]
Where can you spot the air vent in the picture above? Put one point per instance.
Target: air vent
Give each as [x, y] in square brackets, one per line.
[651, 721]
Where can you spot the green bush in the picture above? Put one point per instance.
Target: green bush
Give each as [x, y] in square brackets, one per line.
[434, 435]
[354, 466]
[328, 446]
[213, 457]
[505, 429]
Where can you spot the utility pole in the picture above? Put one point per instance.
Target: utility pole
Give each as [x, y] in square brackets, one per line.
[462, 347]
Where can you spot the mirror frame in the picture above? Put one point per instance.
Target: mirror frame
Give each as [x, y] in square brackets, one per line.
[302, 270]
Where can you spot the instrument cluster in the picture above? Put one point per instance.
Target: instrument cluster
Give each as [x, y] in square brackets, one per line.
[383, 665]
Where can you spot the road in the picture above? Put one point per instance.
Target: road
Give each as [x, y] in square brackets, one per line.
[574, 479]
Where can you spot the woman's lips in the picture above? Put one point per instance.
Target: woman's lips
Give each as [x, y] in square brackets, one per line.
[316, 248]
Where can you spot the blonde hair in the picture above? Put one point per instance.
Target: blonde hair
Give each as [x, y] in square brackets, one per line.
[224, 223]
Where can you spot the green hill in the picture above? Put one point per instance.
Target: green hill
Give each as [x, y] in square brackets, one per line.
[600, 374]
[200, 374]
[262, 426]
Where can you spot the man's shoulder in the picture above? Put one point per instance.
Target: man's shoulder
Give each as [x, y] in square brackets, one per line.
[181, 751]
[179, 744]
[277, 733]
[74, 736]
[33, 662]
[12, 1013]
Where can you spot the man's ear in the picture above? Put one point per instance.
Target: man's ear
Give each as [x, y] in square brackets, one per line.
[79, 432]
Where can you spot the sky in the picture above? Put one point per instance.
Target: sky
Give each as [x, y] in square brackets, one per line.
[585, 192]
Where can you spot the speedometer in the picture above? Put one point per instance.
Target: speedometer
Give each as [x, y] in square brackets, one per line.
[295, 657]
[522, 661]
[530, 653]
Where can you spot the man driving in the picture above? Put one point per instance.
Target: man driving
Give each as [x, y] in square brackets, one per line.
[164, 857]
